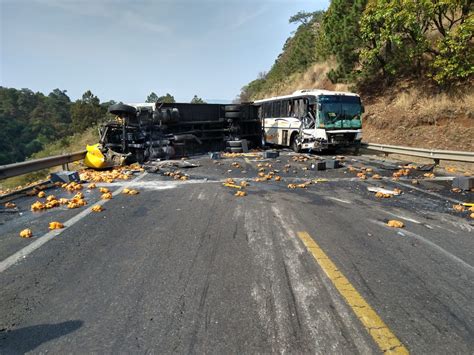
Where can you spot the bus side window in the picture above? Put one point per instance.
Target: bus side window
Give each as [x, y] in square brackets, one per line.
[284, 108]
[276, 109]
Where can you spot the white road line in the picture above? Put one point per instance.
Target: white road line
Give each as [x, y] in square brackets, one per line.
[338, 199]
[434, 246]
[401, 217]
[13, 259]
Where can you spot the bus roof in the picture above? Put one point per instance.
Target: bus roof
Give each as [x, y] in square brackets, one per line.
[310, 92]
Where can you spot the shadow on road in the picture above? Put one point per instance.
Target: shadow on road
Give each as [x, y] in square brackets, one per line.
[28, 338]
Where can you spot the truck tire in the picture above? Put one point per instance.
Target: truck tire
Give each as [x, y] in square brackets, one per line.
[120, 109]
[232, 115]
[234, 144]
[232, 108]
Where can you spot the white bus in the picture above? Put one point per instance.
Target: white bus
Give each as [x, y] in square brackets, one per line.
[315, 120]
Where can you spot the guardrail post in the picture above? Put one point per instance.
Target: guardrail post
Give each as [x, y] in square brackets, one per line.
[65, 167]
[436, 161]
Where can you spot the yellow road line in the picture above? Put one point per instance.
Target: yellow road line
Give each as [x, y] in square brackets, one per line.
[378, 330]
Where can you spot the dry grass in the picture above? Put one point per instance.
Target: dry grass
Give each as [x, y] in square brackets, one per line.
[413, 100]
[70, 144]
[313, 78]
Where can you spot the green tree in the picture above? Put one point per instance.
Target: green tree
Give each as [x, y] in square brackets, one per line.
[86, 112]
[418, 38]
[167, 99]
[340, 37]
[197, 100]
[152, 98]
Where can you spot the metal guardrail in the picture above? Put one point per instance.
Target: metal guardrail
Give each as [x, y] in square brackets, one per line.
[10, 170]
[434, 154]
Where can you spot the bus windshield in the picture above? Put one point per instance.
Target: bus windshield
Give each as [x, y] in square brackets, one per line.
[338, 107]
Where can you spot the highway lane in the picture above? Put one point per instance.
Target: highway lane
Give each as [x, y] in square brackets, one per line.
[188, 267]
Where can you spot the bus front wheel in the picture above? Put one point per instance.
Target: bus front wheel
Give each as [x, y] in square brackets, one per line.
[294, 143]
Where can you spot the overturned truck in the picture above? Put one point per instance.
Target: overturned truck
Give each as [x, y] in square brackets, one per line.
[141, 132]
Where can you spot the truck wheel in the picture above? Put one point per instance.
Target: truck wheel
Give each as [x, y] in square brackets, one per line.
[232, 115]
[232, 108]
[120, 109]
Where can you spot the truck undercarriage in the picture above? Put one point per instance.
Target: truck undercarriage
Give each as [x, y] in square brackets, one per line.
[165, 130]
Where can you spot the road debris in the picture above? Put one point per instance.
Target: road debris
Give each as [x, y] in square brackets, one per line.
[459, 208]
[26, 233]
[395, 224]
[382, 192]
[38, 206]
[97, 208]
[130, 191]
[73, 186]
[56, 225]
[317, 181]
[298, 186]
[106, 196]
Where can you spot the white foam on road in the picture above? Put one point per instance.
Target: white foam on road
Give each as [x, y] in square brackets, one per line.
[23, 253]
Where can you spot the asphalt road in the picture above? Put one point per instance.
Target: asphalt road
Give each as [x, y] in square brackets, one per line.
[187, 267]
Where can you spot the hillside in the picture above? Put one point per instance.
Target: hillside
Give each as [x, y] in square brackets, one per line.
[415, 78]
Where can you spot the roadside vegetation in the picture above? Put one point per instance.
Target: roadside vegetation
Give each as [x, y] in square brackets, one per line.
[411, 61]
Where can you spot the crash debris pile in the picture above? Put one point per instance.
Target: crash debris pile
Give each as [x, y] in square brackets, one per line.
[109, 176]
[78, 200]
[177, 175]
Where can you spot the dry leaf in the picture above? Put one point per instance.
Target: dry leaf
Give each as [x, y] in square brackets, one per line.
[91, 186]
[456, 189]
[277, 178]
[376, 177]
[104, 190]
[10, 205]
[244, 183]
[41, 194]
[240, 194]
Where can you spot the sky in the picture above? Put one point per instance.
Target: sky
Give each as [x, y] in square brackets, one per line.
[123, 49]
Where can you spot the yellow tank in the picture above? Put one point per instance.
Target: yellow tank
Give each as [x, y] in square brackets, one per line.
[94, 157]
